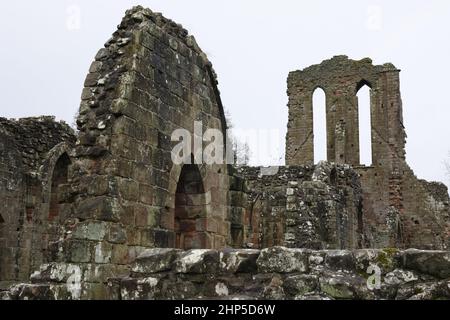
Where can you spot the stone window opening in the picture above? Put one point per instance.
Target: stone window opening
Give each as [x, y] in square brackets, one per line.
[190, 209]
[1, 219]
[59, 177]
[319, 124]
[363, 98]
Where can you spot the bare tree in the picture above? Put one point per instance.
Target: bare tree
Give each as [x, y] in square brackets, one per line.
[241, 150]
[74, 125]
[447, 166]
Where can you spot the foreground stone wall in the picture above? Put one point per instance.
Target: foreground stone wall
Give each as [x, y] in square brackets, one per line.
[272, 273]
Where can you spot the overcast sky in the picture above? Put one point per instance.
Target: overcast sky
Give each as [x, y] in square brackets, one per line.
[47, 46]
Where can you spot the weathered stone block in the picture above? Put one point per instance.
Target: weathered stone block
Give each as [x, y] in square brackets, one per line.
[337, 287]
[200, 240]
[90, 230]
[146, 194]
[102, 252]
[155, 260]
[386, 259]
[116, 234]
[101, 208]
[339, 259]
[206, 224]
[57, 272]
[78, 250]
[164, 238]
[298, 285]
[128, 189]
[139, 289]
[36, 292]
[101, 273]
[147, 237]
[283, 260]
[98, 186]
[435, 263]
[120, 254]
[197, 261]
[94, 291]
[142, 214]
[239, 260]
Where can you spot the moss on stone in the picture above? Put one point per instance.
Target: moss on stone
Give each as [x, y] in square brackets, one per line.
[385, 258]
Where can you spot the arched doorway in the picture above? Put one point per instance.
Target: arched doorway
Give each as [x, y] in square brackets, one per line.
[59, 177]
[190, 209]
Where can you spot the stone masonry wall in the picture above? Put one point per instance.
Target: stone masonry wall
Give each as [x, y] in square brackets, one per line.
[26, 146]
[125, 193]
[11, 197]
[341, 78]
[271, 273]
[90, 213]
[400, 210]
[316, 207]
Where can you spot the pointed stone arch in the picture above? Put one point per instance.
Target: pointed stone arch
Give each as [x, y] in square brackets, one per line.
[59, 178]
[190, 209]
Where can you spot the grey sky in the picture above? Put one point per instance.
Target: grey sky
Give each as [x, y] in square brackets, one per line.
[45, 53]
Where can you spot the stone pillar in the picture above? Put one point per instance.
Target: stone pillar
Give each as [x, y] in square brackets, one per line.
[300, 138]
[340, 142]
[350, 110]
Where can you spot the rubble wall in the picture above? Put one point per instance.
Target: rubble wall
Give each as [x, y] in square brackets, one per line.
[317, 207]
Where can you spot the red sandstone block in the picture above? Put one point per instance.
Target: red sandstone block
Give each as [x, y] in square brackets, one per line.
[133, 237]
[187, 226]
[141, 213]
[145, 194]
[207, 224]
[120, 254]
[180, 199]
[167, 219]
[219, 242]
[127, 216]
[202, 240]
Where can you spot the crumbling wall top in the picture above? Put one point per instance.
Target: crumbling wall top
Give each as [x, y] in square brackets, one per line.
[34, 137]
[340, 67]
[144, 41]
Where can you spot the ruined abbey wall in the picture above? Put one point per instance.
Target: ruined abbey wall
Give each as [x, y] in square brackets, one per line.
[83, 212]
[29, 149]
[125, 193]
[397, 206]
[316, 207]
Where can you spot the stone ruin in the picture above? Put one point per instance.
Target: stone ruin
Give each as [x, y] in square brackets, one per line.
[104, 213]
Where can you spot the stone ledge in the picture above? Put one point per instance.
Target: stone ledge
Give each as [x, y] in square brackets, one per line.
[271, 273]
